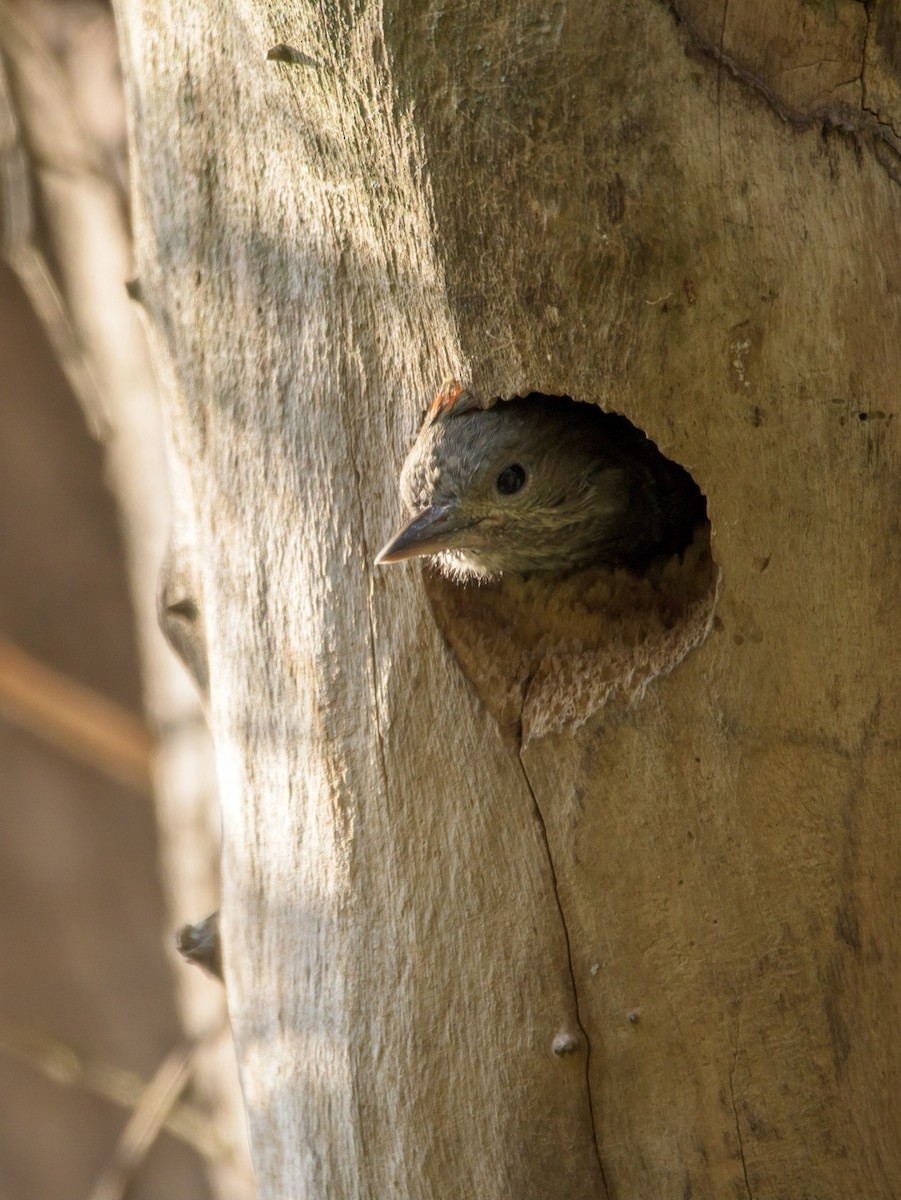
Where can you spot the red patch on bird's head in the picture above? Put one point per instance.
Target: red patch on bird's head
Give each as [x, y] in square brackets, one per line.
[453, 398]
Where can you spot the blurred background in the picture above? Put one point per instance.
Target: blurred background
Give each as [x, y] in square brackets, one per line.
[117, 1075]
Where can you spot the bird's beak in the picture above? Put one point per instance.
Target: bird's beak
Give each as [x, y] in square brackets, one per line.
[428, 532]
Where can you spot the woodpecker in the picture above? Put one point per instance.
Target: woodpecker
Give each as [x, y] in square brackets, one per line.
[539, 483]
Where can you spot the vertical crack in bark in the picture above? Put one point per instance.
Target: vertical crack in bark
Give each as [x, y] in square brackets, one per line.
[889, 124]
[719, 106]
[569, 960]
[741, 1148]
[738, 1134]
[380, 742]
[868, 17]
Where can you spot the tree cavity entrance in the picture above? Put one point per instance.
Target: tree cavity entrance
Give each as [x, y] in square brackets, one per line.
[546, 651]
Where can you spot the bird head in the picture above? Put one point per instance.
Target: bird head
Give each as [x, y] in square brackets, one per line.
[515, 487]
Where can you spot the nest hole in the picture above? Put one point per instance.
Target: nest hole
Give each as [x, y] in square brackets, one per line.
[549, 650]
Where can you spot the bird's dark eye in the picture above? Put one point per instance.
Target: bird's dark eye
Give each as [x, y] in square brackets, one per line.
[510, 479]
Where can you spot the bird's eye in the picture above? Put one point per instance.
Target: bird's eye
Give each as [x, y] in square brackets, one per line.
[510, 479]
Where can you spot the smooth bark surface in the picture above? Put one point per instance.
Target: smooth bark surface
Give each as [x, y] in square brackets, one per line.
[654, 956]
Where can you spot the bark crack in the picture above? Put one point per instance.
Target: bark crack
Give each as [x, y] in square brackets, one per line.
[863, 125]
[868, 17]
[720, 58]
[380, 741]
[738, 1133]
[868, 38]
[569, 960]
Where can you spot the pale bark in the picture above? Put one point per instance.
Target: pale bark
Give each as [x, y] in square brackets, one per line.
[690, 898]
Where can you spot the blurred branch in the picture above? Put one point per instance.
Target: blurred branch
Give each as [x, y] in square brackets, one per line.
[74, 718]
[145, 1123]
[39, 138]
[66, 234]
[63, 1065]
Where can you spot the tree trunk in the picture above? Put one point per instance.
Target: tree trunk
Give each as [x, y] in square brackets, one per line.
[645, 944]
[65, 233]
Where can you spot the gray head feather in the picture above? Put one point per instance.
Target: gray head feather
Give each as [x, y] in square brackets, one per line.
[586, 489]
